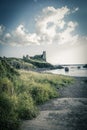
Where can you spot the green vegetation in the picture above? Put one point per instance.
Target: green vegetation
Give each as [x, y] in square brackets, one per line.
[26, 108]
[38, 86]
[38, 57]
[28, 64]
[20, 64]
[8, 117]
[6, 70]
[39, 63]
[22, 91]
[85, 66]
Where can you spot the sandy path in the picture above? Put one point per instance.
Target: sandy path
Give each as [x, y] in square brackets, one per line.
[69, 112]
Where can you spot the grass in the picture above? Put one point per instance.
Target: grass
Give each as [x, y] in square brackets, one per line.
[45, 78]
[34, 84]
[22, 91]
[42, 86]
[20, 64]
[39, 63]
[8, 117]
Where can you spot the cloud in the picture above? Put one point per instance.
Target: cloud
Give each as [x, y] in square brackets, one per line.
[50, 20]
[67, 35]
[2, 28]
[20, 36]
[51, 27]
[75, 10]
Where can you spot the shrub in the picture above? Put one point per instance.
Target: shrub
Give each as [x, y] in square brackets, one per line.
[8, 117]
[6, 86]
[42, 93]
[6, 70]
[26, 107]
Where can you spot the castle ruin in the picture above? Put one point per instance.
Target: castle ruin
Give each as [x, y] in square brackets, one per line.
[44, 55]
[38, 57]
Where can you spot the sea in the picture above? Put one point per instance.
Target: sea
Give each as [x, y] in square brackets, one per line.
[74, 70]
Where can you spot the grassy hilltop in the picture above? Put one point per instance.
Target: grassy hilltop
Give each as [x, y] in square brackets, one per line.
[21, 92]
[28, 64]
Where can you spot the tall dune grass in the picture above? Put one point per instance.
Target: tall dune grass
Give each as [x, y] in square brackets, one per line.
[25, 92]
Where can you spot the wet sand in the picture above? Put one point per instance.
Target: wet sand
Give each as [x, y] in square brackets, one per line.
[68, 112]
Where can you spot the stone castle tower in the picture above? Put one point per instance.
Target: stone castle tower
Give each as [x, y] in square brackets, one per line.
[44, 55]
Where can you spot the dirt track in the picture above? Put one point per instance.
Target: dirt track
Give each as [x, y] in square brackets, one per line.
[69, 112]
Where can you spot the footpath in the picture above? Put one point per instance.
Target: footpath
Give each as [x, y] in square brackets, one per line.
[69, 112]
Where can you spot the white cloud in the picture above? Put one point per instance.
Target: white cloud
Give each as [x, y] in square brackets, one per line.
[20, 30]
[2, 28]
[49, 22]
[75, 10]
[66, 36]
[51, 27]
[20, 36]
[51, 15]
[58, 31]
[72, 25]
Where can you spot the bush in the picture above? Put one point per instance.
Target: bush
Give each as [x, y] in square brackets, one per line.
[26, 107]
[6, 70]
[42, 93]
[8, 117]
[6, 86]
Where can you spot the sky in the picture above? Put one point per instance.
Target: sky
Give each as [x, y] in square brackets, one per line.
[58, 27]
